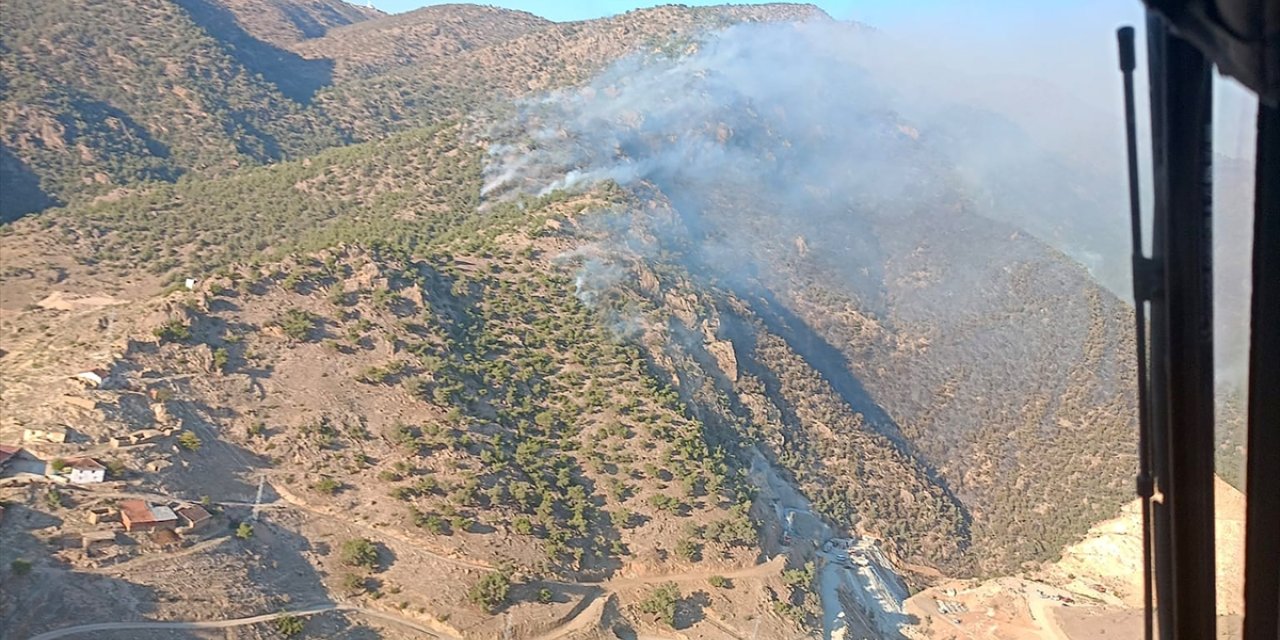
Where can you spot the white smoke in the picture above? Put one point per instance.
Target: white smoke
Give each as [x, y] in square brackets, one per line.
[815, 113]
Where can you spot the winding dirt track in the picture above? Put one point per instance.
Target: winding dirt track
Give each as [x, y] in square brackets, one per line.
[591, 613]
[772, 567]
[224, 624]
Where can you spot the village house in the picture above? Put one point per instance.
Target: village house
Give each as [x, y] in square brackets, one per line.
[98, 515]
[139, 515]
[85, 471]
[16, 461]
[8, 451]
[54, 435]
[194, 517]
[94, 540]
[142, 436]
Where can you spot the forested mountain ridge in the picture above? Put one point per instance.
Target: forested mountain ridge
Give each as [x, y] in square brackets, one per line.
[428, 36]
[104, 94]
[284, 22]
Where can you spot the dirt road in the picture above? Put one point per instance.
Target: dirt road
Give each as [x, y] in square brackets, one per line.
[1041, 614]
[772, 567]
[236, 622]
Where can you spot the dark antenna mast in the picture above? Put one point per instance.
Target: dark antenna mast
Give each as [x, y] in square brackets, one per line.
[1146, 278]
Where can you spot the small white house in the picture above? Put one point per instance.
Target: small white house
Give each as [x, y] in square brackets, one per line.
[85, 471]
[93, 379]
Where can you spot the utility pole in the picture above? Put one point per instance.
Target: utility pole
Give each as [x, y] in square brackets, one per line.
[262, 481]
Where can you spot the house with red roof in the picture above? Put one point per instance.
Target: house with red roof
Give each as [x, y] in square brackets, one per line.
[85, 471]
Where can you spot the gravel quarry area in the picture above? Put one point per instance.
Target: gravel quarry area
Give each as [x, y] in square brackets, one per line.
[861, 592]
[855, 574]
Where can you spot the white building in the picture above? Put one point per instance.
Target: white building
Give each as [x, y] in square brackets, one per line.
[94, 378]
[86, 471]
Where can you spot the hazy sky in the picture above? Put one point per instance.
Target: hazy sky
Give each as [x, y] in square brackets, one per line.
[1070, 36]
[1070, 41]
[561, 10]
[881, 13]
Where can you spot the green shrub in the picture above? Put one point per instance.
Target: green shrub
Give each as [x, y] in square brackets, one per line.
[296, 324]
[327, 486]
[461, 524]
[173, 331]
[380, 375]
[116, 468]
[523, 526]
[289, 626]
[689, 550]
[354, 583]
[432, 523]
[664, 502]
[189, 440]
[799, 578]
[621, 518]
[662, 602]
[359, 552]
[293, 282]
[491, 592]
[337, 295]
[220, 358]
[425, 486]
[20, 566]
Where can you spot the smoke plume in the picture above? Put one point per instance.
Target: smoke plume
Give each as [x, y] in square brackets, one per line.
[833, 127]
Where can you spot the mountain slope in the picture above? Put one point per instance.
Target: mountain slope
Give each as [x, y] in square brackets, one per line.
[953, 356]
[462, 407]
[285, 22]
[103, 94]
[556, 56]
[780, 173]
[100, 95]
[428, 36]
